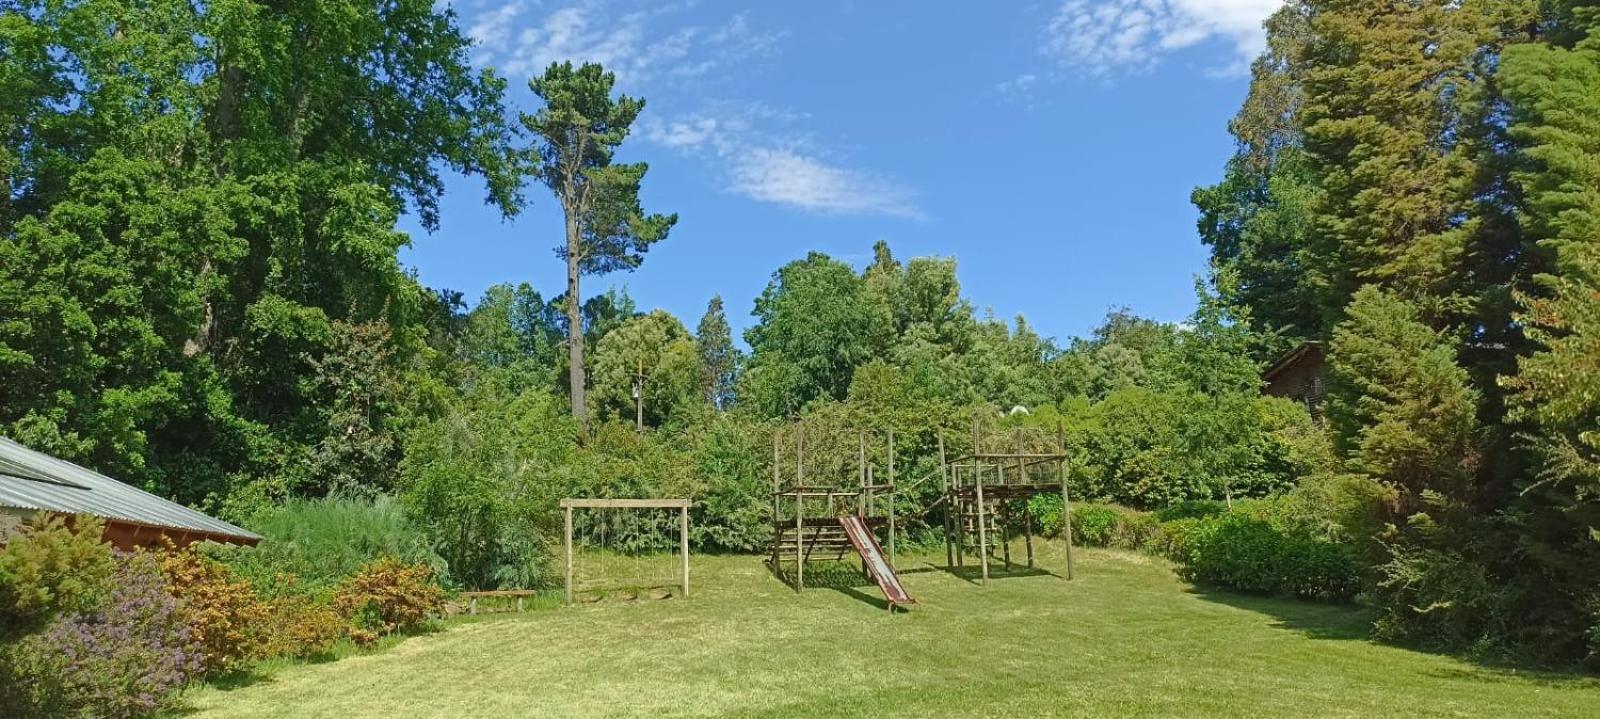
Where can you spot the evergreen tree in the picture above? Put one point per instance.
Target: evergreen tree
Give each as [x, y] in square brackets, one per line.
[576, 134]
[719, 359]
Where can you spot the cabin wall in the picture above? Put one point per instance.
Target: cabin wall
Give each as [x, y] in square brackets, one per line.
[12, 522]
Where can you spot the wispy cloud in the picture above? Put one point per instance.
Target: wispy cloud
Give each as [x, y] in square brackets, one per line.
[632, 44]
[1104, 37]
[780, 168]
[654, 49]
[789, 178]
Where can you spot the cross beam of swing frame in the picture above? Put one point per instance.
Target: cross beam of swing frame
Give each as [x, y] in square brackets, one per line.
[625, 503]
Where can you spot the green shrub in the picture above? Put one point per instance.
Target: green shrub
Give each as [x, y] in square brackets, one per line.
[1438, 599]
[1046, 511]
[1191, 509]
[1094, 524]
[1134, 530]
[1172, 539]
[1250, 555]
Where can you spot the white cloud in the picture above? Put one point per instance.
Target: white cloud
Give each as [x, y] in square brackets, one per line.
[786, 177]
[650, 48]
[1103, 36]
[492, 30]
[629, 44]
[1018, 85]
[778, 168]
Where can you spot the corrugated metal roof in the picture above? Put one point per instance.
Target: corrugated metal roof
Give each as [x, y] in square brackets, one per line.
[38, 481]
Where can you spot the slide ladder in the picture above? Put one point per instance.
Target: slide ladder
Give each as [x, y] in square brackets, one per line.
[866, 544]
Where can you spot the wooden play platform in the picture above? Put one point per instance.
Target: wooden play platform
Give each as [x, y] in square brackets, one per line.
[825, 509]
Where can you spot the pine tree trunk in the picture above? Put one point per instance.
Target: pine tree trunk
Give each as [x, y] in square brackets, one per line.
[575, 371]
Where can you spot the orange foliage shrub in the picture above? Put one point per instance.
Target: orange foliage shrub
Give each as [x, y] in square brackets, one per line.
[387, 596]
[227, 620]
[299, 626]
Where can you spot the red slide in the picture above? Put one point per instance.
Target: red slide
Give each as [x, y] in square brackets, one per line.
[866, 545]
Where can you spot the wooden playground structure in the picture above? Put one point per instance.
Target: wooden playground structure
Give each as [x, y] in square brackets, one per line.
[991, 483]
[843, 516]
[833, 511]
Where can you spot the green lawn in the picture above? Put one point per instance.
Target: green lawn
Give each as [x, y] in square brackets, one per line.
[1126, 638]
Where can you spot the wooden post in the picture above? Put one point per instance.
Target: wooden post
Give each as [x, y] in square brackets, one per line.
[683, 541]
[1066, 500]
[949, 502]
[861, 472]
[800, 459]
[519, 603]
[983, 536]
[1027, 531]
[891, 500]
[777, 533]
[1005, 531]
[799, 540]
[569, 556]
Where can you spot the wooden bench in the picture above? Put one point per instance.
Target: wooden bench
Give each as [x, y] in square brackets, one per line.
[473, 597]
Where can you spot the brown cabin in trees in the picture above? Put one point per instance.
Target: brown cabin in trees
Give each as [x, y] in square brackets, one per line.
[33, 483]
[1301, 375]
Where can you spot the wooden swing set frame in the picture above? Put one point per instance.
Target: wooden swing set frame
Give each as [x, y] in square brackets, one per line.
[682, 505]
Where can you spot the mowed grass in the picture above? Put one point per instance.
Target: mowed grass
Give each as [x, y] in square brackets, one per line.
[1126, 638]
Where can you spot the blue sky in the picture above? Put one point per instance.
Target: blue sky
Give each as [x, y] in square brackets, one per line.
[1048, 147]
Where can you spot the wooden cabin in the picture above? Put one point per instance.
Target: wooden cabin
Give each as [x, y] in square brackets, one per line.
[33, 482]
[1301, 375]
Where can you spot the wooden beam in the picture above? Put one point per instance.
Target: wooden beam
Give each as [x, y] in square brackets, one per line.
[683, 538]
[983, 536]
[799, 542]
[944, 490]
[568, 511]
[891, 499]
[1066, 499]
[625, 503]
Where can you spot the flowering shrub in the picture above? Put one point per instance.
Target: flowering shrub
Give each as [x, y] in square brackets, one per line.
[387, 596]
[122, 659]
[227, 621]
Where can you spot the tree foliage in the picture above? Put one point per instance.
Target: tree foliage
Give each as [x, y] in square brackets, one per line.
[576, 134]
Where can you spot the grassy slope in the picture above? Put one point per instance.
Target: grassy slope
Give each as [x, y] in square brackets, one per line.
[1126, 638]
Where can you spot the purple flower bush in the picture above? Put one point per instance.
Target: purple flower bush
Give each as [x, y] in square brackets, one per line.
[121, 660]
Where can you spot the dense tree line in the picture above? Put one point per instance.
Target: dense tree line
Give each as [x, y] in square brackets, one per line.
[1417, 184]
[200, 292]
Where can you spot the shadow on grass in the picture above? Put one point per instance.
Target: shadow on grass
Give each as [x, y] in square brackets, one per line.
[973, 573]
[1346, 622]
[1313, 619]
[843, 576]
